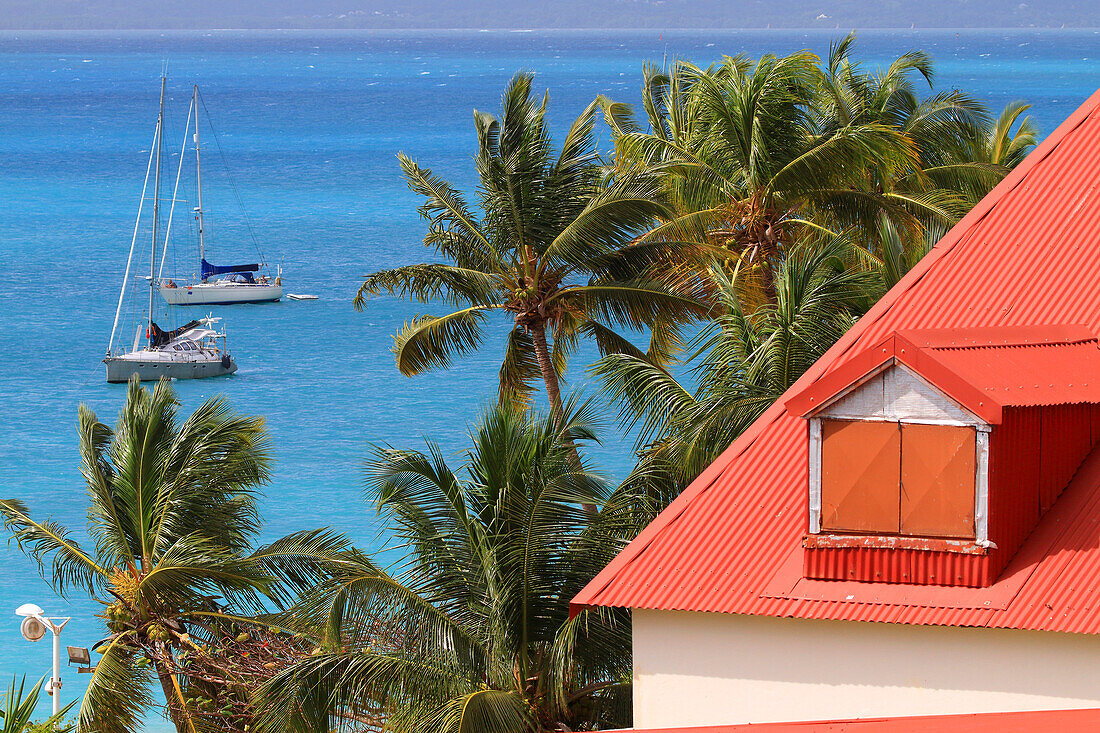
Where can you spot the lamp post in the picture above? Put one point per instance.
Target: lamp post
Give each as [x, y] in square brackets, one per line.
[33, 628]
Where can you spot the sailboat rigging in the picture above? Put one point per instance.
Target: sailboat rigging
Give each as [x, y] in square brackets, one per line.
[217, 284]
[192, 351]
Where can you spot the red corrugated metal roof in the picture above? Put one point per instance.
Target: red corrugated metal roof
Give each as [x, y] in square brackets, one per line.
[1027, 255]
[1029, 376]
[983, 369]
[1039, 721]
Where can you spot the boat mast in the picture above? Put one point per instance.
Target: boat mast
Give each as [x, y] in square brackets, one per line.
[156, 212]
[198, 175]
[133, 241]
[175, 197]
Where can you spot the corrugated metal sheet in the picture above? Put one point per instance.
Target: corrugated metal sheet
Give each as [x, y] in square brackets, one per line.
[1027, 255]
[879, 565]
[1037, 721]
[1065, 440]
[983, 369]
[1021, 376]
[1014, 481]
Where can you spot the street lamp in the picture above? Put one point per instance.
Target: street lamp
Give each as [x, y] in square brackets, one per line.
[33, 628]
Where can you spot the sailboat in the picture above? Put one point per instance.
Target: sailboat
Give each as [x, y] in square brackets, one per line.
[217, 284]
[194, 350]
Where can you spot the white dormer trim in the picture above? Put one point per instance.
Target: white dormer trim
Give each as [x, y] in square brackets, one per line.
[898, 394]
[981, 500]
[815, 475]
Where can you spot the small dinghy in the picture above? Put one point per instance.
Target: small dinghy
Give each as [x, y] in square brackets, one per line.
[301, 296]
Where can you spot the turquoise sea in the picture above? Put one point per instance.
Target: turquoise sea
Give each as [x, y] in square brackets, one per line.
[309, 124]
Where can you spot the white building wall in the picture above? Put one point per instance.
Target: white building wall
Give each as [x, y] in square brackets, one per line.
[695, 669]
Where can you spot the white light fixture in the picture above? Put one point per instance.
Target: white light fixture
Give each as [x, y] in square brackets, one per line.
[33, 628]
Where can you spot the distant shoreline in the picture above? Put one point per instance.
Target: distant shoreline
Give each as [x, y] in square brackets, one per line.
[806, 29]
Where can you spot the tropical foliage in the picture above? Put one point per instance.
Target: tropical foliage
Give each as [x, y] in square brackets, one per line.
[763, 206]
[171, 517]
[741, 361]
[757, 156]
[18, 711]
[552, 248]
[824, 184]
[478, 606]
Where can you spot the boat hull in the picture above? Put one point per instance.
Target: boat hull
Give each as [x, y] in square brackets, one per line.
[217, 294]
[122, 368]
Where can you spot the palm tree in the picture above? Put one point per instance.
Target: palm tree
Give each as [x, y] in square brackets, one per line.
[760, 155]
[477, 607]
[1001, 145]
[961, 154]
[746, 162]
[741, 362]
[551, 248]
[171, 518]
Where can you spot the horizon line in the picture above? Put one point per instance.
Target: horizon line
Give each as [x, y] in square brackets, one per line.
[551, 30]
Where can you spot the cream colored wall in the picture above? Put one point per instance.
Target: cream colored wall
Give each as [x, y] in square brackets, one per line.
[712, 669]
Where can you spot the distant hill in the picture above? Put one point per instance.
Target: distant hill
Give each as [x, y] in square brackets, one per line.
[665, 14]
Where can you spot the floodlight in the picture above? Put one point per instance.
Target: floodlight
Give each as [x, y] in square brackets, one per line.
[33, 627]
[78, 655]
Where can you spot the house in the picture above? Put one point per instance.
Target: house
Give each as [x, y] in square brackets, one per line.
[912, 530]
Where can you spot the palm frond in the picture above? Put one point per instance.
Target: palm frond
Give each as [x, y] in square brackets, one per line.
[18, 711]
[71, 565]
[519, 370]
[647, 394]
[429, 282]
[430, 342]
[119, 691]
[446, 210]
[485, 711]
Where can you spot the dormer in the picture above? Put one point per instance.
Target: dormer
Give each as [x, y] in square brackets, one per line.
[933, 454]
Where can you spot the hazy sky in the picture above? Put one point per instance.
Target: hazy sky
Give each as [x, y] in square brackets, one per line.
[207, 14]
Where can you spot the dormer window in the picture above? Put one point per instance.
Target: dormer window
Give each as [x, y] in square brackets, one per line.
[933, 454]
[898, 478]
[895, 457]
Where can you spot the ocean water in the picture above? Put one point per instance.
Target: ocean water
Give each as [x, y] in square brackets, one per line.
[309, 124]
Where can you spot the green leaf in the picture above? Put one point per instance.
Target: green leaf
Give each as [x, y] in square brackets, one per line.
[430, 342]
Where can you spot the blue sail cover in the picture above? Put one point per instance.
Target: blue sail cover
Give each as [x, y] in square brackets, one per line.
[209, 270]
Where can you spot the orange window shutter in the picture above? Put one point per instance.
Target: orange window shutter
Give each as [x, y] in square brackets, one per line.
[860, 473]
[937, 481]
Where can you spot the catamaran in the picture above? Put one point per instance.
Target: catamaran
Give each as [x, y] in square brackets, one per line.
[216, 284]
[194, 350]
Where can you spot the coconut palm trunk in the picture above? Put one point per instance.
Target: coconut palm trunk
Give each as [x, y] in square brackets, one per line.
[546, 367]
[178, 715]
[553, 393]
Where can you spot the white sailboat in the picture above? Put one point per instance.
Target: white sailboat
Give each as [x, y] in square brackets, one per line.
[192, 351]
[216, 285]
